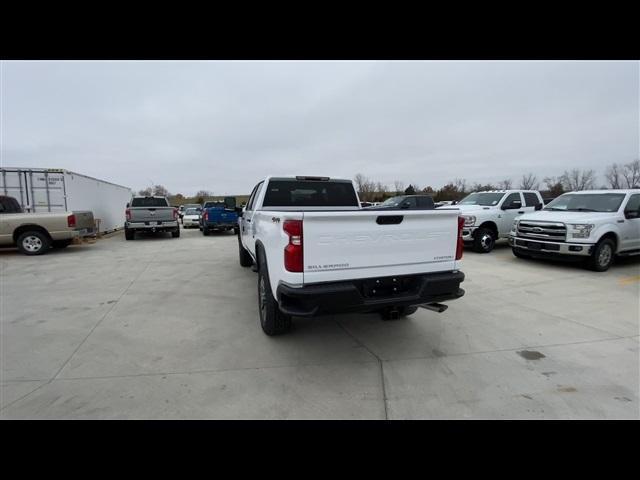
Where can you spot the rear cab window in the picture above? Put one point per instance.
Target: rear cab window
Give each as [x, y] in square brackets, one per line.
[149, 202]
[310, 193]
[531, 199]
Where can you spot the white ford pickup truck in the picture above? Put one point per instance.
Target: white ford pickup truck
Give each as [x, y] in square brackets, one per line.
[591, 225]
[489, 215]
[316, 252]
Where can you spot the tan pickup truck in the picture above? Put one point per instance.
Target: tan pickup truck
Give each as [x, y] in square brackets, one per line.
[36, 233]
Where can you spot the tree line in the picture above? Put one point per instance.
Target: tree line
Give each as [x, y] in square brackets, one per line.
[616, 175]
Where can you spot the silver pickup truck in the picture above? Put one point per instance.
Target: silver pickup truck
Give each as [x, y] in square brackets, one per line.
[150, 214]
[36, 233]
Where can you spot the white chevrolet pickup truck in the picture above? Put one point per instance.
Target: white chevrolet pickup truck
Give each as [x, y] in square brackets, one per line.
[316, 252]
[590, 225]
[489, 215]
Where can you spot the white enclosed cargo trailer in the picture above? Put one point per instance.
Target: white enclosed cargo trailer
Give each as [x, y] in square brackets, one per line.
[56, 190]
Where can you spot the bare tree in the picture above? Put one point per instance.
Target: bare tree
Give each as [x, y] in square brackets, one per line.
[160, 191]
[613, 176]
[366, 188]
[554, 186]
[577, 180]
[398, 186]
[505, 184]
[204, 193]
[461, 184]
[631, 174]
[145, 192]
[529, 182]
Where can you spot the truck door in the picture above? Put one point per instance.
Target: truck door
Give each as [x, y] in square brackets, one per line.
[511, 208]
[630, 228]
[246, 226]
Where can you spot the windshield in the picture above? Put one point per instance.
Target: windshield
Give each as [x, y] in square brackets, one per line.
[587, 202]
[486, 199]
[191, 211]
[392, 202]
[149, 202]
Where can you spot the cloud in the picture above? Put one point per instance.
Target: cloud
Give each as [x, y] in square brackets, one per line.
[222, 125]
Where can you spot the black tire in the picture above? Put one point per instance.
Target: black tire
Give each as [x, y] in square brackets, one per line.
[61, 243]
[236, 231]
[205, 232]
[518, 253]
[245, 258]
[129, 234]
[272, 320]
[176, 233]
[402, 312]
[33, 242]
[483, 240]
[602, 256]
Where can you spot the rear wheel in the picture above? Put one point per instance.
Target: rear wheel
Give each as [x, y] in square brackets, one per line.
[61, 243]
[602, 256]
[205, 232]
[272, 320]
[176, 233]
[129, 234]
[483, 240]
[33, 243]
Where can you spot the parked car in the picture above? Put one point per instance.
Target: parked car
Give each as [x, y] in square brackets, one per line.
[36, 233]
[219, 216]
[590, 225]
[150, 214]
[317, 252]
[183, 208]
[191, 218]
[489, 215]
[407, 202]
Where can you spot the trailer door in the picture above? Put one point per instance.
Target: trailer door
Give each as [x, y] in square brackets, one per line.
[46, 191]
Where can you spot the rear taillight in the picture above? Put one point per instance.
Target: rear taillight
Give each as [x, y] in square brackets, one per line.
[460, 246]
[127, 214]
[293, 251]
[175, 213]
[205, 216]
[71, 221]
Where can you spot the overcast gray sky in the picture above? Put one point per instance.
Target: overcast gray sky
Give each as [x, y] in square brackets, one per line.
[221, 125]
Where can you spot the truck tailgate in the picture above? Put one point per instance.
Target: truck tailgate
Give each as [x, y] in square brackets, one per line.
[365, 244]
[84, 220]
[151, 214]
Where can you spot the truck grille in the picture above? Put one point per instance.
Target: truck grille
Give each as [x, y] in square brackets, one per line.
[542, 230]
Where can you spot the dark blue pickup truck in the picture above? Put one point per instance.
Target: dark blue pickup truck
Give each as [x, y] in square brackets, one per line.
[218, 215]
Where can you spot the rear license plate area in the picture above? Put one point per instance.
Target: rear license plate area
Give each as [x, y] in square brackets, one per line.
[388, 286]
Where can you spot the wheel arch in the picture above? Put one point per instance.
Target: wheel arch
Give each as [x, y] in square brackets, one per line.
[29, 228]
[490, 225]
[613, 236]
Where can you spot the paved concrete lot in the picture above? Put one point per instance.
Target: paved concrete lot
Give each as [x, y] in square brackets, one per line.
[164, 328]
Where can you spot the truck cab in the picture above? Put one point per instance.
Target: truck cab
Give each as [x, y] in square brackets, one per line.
[489, 215]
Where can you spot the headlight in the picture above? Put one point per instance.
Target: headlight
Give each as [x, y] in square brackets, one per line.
[469, 220]
[581, 230]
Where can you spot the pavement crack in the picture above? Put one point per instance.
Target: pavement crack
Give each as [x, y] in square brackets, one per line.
[380, 362]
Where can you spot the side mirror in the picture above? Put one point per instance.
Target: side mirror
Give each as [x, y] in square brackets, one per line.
[539, 206]
[128, 205]
[455, 202]
[512, 206]
[631, 214]
[405, 205]
[239, 211]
